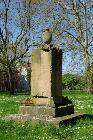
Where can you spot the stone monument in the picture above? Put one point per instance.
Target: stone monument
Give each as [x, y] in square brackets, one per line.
[46, 83]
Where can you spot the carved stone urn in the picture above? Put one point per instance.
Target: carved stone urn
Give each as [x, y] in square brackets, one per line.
[47, 36]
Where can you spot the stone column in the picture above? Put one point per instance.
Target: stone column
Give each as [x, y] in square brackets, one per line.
[46, 73]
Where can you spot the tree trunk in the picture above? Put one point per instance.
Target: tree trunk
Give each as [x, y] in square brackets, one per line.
[89, 79]
[11, 82]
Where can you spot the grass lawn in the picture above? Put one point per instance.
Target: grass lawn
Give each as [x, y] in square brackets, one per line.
[83, 102]
[83, 130]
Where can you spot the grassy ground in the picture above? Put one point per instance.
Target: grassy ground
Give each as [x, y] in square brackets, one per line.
[83, 130]
[82, 101]
[9, 104]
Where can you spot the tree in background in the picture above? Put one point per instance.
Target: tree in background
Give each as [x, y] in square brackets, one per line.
[72, 26]
[69, 81]
[29, 74]
[4, 80]
[14, 45]
[71, 22]
[75, 24]
[90, 78]
[73, 82]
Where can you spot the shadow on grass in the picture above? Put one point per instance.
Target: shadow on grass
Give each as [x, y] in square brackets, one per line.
[88, 116]
[74, 120]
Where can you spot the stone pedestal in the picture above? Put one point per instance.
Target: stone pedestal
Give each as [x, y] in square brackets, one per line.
[46, 86]
[46, 73]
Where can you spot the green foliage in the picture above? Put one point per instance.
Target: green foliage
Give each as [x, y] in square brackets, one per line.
[72, 82]
[69, 81]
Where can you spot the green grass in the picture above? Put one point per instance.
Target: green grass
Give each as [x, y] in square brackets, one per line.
[82, 130]
[10, 104]
[83, 102]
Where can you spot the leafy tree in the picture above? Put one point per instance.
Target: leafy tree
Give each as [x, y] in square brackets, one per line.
[73, 82]
[72, 24]
[14, 47]
[75, 24]
[69, 81]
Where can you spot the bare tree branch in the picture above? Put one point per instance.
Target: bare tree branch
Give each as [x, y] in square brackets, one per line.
[4, 3]
[1, 34]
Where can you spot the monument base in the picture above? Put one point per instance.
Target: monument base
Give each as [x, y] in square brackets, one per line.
[47, 111]
[43, 106]
[57, 121]
[46, 101]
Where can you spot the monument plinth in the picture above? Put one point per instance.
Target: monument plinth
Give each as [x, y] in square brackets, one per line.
[46, 83]
[46, 73]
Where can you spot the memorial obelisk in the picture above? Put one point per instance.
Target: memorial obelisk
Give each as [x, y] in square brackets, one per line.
[46, 82]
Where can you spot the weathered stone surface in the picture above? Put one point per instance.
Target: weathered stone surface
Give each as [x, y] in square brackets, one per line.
[46, 73]
[47, 36]
[41, 101]
[52, 101]
[47, 111]
[47, 47]
[57, 121]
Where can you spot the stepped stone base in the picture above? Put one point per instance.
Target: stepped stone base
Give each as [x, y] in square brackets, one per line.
[54, 110]
[54, 106]
[47, 111]
[57, 121]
